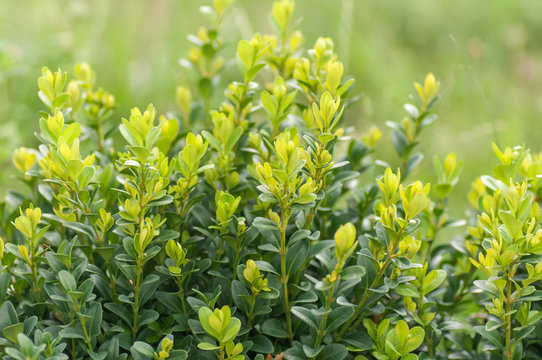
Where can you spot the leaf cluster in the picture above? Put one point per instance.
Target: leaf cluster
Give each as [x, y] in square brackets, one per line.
[258, 226]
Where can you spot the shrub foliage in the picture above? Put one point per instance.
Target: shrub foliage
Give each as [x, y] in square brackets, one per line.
[250, 227]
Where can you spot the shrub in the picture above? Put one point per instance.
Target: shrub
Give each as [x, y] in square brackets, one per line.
[251, 231]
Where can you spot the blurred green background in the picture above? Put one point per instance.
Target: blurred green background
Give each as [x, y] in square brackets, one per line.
[386, 45]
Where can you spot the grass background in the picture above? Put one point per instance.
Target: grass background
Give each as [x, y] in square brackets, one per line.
[135, 45]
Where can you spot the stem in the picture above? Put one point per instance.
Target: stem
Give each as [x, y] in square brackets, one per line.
[236, 261]
[206, 110]
[429, 340]
[181, 294]
[434, 230]
[37, 292]
[406, 156]
[323, 226]
[74, 350]
[240, 105]
[113, 283]
[87, 337]
[33, 267]
[283, 41]
[136, 297]
[321, 331]
[463, 287]
[309, 219]
[361, 303]
[80, 234]
[181, 208]
[284, 276]
[220, 250]
[429, 343]
[139, 265]
[99, 240]
[100, 136]
[317, 177]
[365, 297]
[33, 191]
[508, 319]
[250, 315]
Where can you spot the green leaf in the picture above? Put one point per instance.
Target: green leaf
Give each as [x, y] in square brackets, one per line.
[416, 205]
[295, 354]
[140, 152]
[67, 280]
[354, 272]
[148, 288]
[47, 88]
[234, 138]
[442, 189]
[207, 346]
[504, 172]
[86, 176]
[339, 316]
[305, 315]
[311, 352]
[231, 330]
[262, 344]
[298, 235]
[407, 289]
[358, 340]
[296, 255]
[30, 323]
[306, 199]
[142, 351]
[152, 137]
[12, 331]
[522, 333]
[239, 294]
[415, 339]
[412, 162]
[399, 140]
[433, 280]
[274, 328]
[74, 169]
[212, 140]
[254, 71]
[121, 311]
[401, 331]
[204, 313]
[129, 136]
[78, 227]
[8, 315]
[147, 316]
[333, 352]
[487, 286]
[205, 86]
[5, 280]
[106, 252]
[27, 347]
[493, 336]
[71, 132]
[513, 225]
[75, 295]
[61, 100]
[71, 333]
[268, 103]
[96, 313]
[265, 266]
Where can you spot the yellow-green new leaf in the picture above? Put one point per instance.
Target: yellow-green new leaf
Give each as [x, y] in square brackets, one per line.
[433, 280]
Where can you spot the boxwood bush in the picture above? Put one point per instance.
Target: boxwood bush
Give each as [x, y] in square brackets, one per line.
[251, 225]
